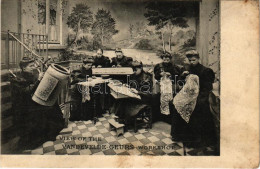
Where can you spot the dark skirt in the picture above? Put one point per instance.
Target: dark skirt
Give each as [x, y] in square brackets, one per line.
[180, 130]
[127, 108]
[87, 110]
[38, 124]
[200, 130]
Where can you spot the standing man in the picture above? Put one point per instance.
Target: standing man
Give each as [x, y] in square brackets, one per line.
[120, 60]
[100, 60]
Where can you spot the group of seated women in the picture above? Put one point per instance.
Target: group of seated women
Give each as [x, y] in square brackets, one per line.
[185, 105]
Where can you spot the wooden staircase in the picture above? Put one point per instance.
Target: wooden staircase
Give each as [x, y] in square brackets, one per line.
[9, 139]
[15, 46]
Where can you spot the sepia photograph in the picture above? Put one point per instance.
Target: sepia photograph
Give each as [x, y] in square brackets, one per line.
[107, 77]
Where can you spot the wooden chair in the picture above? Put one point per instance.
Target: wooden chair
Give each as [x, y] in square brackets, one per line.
[144, 117]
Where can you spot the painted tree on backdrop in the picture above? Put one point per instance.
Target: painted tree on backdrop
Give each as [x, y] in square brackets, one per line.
[81, 18]
[131, 30]
[104, 26]
[167, 15]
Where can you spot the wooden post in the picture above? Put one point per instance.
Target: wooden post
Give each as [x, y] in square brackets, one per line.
[47, 42]
[7, 50]
[59, 19]
[47, 25]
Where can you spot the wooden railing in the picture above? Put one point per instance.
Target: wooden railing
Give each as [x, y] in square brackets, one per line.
[15, 46]
[54, 33]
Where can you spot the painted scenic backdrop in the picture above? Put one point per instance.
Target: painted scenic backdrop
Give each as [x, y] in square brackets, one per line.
[142, 29]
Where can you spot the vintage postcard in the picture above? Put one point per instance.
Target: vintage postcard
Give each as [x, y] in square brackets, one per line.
[129, 83]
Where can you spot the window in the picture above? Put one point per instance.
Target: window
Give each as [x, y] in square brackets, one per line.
[54, 20]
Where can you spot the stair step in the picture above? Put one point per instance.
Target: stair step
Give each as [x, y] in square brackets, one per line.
[5, 97]
[5, 74]
[5, 77]
[5, 86]
[7, 123]
[5, 94]
[10, 146]
[5, 83]
[5, 107]
[8, 134]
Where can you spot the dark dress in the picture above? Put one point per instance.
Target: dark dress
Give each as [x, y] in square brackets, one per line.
[35, 123]
[124, 62]
[80, 75]
[101, 61]
[176, 76]
[130, 107]
[200, 129]
[83, 111]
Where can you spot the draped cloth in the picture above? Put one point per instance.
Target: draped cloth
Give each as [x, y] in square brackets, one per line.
[166, 94]
[185, 100]
[85, 94]
[84, 87]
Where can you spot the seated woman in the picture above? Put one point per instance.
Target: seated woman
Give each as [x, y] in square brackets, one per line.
[100, 60]
[35, 123]
[120, 60]
[140, 83]
[83, 107]
[84, 71]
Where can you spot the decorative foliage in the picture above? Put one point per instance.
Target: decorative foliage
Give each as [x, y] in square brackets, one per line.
[103, 27]
[131, 30]
[67, 54]
[81, 18]
[167, 15]
[144, 44]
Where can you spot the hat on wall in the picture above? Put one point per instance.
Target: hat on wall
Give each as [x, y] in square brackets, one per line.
[192, 53]
[25, 61]
[118, 50]
[88, 59]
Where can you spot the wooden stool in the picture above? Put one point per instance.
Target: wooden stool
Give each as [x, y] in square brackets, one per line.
[117, 126]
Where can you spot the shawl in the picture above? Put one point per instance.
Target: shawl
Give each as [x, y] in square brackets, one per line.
[185, 100]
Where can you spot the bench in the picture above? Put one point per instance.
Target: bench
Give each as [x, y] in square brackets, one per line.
[119, 128]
